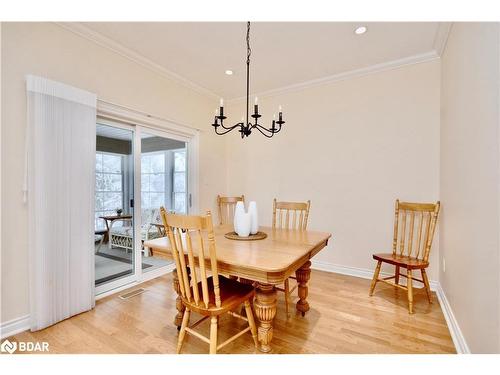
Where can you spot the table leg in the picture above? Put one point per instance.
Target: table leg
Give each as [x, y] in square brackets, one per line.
[265, 311]
[106, 236]
[178, 301]
[303, 274]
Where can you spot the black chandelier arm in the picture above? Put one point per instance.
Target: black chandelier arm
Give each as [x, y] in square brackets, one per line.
[263, 130]
[228, 129]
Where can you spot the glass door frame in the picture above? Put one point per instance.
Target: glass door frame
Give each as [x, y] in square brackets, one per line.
[112, 114]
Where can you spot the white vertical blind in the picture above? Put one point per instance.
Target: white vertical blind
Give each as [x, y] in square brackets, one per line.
[60, 187]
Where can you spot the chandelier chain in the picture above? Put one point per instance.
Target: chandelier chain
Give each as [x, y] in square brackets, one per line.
[249, 50]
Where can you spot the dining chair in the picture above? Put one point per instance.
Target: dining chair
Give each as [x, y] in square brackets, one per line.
[210, 296]
[226, 207]
[414, 226]
[291, 216]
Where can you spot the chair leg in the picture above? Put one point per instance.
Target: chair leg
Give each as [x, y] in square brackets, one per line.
[427, 286]
[213, 335]
[287, 298]
[396, 274]
[375, 277]
[182, 333]
[251, 322]
[410, 291]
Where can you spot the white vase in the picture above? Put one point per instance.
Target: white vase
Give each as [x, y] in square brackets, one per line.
[238, 211]
[254, 218]
[244, 223]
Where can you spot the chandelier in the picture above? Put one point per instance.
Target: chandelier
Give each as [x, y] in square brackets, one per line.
[245, 128]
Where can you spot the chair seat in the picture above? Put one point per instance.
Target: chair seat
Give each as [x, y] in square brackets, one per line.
[401, 260]
[232, 294]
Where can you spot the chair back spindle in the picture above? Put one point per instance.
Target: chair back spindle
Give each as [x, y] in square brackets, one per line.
[414, 227]
[182, 232]
[290, 215]
[226, 207]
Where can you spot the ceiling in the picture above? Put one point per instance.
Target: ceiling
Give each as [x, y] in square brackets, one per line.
[283, 53]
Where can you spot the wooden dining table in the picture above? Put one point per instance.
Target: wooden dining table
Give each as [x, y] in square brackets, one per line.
[266, 263]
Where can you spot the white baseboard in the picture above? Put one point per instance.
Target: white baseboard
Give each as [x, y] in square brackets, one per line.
[363, 273]
[14, 326]
[455, 332]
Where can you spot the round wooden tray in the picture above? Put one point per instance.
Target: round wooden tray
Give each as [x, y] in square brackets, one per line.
[252, 237]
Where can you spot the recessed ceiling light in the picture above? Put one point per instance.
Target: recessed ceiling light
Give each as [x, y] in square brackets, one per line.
[360, 30]
[229, 72]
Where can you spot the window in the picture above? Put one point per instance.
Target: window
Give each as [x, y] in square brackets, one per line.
[179, 191]
[164, 180]
[153, 186]
[108, 185]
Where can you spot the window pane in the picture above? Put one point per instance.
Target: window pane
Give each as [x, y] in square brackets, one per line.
[180, 203]
[158, 163]
[99, 181]
[98, 162]
[145, 164]
[157, 182]
[145, 182]
[112, 201]
[111, 163]
[145, 200]
[157, 200]
[99, 201]
[180, 161]
[179, 182]
[109, 182]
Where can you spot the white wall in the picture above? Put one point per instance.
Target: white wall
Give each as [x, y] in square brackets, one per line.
[352, 148]
[469, 181]
[48, 50]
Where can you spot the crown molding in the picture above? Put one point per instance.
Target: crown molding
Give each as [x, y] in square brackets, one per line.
[355, 73]
[87, 33]
[441, 38]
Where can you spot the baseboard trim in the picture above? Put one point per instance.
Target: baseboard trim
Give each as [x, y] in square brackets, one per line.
[14, 326]
[456, 333]
[363, 273]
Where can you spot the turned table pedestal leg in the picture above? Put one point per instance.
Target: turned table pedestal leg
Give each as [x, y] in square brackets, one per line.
[265, 311]
[178, 301]
[303, 274]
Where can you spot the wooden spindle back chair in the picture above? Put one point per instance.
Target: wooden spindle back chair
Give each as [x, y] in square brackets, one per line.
[414, 227]
[291, 216]
[226, 207]
[202, 289]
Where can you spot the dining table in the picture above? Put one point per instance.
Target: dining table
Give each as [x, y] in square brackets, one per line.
[265, 263]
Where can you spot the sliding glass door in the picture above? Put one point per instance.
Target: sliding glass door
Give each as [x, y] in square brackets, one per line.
[114, 205]
[153, 166]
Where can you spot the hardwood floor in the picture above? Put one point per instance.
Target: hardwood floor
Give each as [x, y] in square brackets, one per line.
[342, 319]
